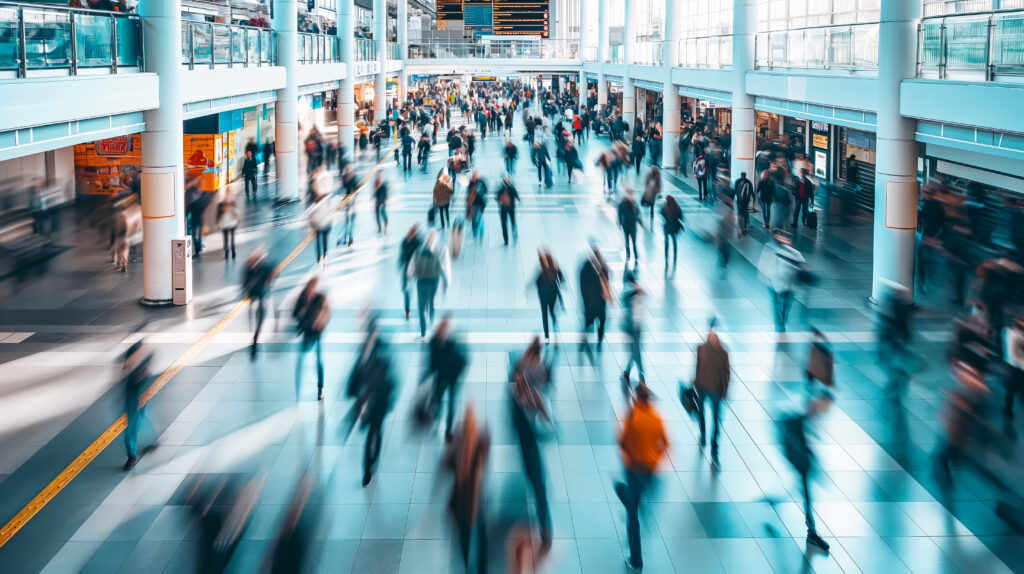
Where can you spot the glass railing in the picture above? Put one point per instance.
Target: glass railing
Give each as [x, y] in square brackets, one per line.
[648, 53]
[395, 51]
[34, 37]
[318, 48]
[590, 54]
[530, 49]
[365, 50]
[711, 52]
[211, 44]
[852, 48]
[952, 7]
[972, 46]
[615, 54]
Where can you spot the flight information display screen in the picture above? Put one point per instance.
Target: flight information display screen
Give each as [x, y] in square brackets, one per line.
[448, 10]
[520, 18]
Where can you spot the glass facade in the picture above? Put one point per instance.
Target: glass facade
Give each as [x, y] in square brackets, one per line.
[818, 34]
[649, 22]
[705, 32]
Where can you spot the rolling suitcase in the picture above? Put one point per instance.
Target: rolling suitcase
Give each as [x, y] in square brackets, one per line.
[812, 220]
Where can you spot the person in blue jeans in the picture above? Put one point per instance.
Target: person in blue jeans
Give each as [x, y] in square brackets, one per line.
[136, 379]
[429, 266]
[312, 313]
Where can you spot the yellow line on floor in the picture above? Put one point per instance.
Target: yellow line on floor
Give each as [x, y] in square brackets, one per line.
[89, 454]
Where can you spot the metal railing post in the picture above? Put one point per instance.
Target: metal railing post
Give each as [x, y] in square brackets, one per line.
[213, 44]
[74, 43]
[22, 52]
[191, 47]
[942, 50]
[113, 44]
[231, 46]
[990, 68]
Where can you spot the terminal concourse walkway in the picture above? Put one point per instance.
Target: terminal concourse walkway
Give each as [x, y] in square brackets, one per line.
[875, 496]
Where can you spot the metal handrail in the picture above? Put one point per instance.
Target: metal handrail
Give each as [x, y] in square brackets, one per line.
[239, 45]
[697, 53]
[819, 47]
[648, 53]
[365, 50]
[941, 51]
[68, 38]
[318, 48]
[529, 49]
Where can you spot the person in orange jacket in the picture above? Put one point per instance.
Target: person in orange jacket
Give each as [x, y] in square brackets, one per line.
[643, 444]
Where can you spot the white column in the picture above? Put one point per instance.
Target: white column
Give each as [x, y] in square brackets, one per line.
[602, 89]
[628, 90]
[380, 35]
[670, 95]
[896, 168]
[744, 26]
[163, 188]
[602, 52]
[581, 88]
[403, 47]
[346, 94]
[582, 84]
[286, 109]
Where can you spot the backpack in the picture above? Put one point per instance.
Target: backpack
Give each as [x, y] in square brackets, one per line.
[316, 315]
[700, 167]
[426, 263]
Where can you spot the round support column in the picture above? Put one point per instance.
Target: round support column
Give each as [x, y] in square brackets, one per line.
[896, 168]
[744, 25]
[669, 94]
[602, 89]
[629, 103]
[286, 109]
[163, 182]
[403, 50]
[380, 35]
[346, 94]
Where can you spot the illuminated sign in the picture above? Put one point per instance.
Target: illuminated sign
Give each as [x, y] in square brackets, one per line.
[819, 141]
[519, 18]
[447, 11]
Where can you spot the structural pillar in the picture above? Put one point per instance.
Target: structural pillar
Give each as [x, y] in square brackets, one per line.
[582, 49]
[744, 124]
[602, 52]
[403, 49]
[628, 90]
[380, 36]
[286, 109]
[163, 181]
[346, 94]
[669, 94]
[896, 167]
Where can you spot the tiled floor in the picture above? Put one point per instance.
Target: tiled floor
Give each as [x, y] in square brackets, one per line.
[875, 497]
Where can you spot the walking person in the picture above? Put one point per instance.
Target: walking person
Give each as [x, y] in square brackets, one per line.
[638, 150]
[595, 292]
[447, 361]
[701, 174]
[136, 378]
[372, 384]
[629, 219]
[549, 289]
[672, 216]
[380, 200]
[444, 189]
[541, 159]
[249, 167]
[466, 457]
[712, 385]
[642, 444]
[476, 201]
[259, 275]
[804, 198]
[312, 312]
[429, 267]
[268, 152]
[507, 198]
[410, 245]
[743, 193]
[511, 154]
[652, 191]
[765, 196]
[571, 157]
[632, 310]
[320, 217]
[530, 377]
[227, 221]
[778, 268]
[348, 227]
[408, 142]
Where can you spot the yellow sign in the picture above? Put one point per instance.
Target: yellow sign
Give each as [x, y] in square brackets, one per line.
[820, 141]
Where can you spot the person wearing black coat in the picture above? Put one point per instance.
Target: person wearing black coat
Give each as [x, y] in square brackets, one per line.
[549, 290]
[572, 159]
[447, 362]
[672, 215]
[259, 273]
[373, 385]
[311, 314]
[765, 196]
[507, 197]
[409, 246]
[249, 168]
[595, 294]
[629, 219]
[639, 150]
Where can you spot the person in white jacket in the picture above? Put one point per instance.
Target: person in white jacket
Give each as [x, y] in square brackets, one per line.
[778, 268]
[320, 217]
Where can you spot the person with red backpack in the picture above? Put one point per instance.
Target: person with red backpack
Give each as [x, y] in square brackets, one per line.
[700, 173]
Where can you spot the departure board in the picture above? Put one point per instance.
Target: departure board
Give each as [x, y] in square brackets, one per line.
[521, 18]
[447, 11]
[478, 16]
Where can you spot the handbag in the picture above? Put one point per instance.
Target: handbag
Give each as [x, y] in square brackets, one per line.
[688, 397]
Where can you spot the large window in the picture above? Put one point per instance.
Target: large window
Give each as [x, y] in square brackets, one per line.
[793, 14]
[702, 18]
[945, 7]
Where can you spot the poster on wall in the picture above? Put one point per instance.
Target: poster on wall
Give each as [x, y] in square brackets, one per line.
[820, 164]
[102, 165]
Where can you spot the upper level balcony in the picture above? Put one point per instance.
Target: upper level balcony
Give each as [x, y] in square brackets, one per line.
[213, 45]
[972, 47]
[848, 49]
[503, 49]
[44, 41]
[706, 52]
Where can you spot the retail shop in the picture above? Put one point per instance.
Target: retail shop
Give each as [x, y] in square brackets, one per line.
[709, 115]
[649, 102]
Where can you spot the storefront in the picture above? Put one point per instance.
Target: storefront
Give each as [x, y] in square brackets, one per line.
[104, 167]
[707, 115]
